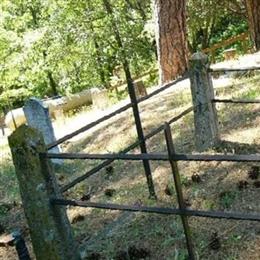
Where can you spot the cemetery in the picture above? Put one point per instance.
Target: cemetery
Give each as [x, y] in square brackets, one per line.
[129, 130]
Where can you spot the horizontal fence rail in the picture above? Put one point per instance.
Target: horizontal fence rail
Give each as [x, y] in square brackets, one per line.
[116, 112]
[126, 150]
[156, 157]
[234, 69]
[167, 211]
[234, 101]
[89, 126]
[241, 37]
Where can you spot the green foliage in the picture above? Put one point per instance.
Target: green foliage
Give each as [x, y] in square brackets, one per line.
[251, 94]
[61, 47]
[210, 22]
[50, 47]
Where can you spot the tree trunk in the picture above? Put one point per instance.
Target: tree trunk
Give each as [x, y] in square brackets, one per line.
[253, 11]
[171, 36]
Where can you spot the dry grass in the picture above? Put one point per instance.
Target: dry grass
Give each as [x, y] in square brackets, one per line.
[163, 236]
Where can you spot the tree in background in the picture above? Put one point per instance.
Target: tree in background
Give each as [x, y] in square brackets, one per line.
[211, 21]
[172, 48]
[49, 47]
[253, 12]
[66, 46]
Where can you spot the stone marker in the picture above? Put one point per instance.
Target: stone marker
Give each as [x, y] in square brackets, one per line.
[140, 89]
[37, 116]
[100, 98]
[50, 230]
[205, 114]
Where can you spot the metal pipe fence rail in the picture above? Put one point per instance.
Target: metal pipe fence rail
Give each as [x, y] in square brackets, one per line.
[156, 157]
[126, 150]
[124, 108]
[44, 185]
[173, 158]
[159, 210]
[151, 134]
[116, 112]
[252, 68]
[138, 124]
[111, 158]
[236, 101]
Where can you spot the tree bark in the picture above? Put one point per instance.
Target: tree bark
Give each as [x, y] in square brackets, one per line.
[171, 36]
[253, 11]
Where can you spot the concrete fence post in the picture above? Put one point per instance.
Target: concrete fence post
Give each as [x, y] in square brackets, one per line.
[49, 226]
[205, 114]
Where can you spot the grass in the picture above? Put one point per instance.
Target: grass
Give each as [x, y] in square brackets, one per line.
[109, 232]
[9, 191]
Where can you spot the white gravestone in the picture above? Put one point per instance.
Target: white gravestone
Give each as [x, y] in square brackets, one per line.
[100, 98]
[37, 116]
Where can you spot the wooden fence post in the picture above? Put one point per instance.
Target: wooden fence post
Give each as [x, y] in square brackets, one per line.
[205, 114]
[49, 226]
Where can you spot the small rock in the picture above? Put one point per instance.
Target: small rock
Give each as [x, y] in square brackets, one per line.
[110, 192]
[6, 240]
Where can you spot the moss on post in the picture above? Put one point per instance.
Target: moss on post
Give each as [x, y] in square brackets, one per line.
[49, 226]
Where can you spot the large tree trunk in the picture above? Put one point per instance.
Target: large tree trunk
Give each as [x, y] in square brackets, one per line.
[253, 11]
[171, 36]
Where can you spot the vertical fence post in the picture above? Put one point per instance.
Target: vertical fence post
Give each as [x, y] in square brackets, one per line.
[205, 114]
[49, 226]
[177, 183]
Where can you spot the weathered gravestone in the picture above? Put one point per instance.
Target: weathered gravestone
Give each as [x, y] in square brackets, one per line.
[100, 99]
[140, 89]
[37, 116]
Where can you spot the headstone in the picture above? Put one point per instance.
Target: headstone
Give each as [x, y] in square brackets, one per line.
[230, 54]
[100, 99]
[140, 89]
[37, 116]
[205, 114]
